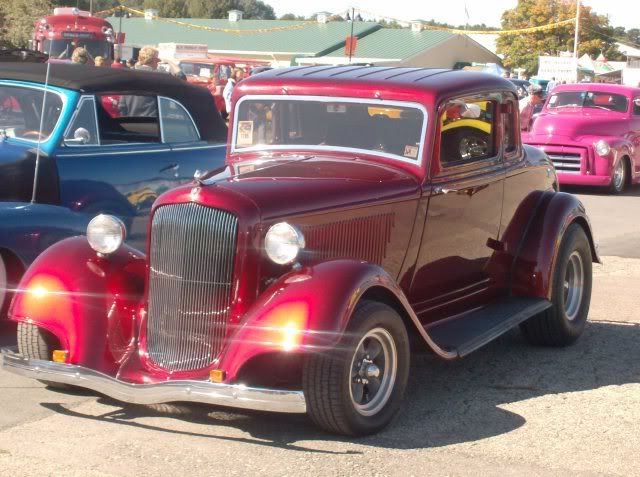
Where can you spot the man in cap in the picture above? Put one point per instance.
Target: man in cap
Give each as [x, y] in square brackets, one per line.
[528, 106]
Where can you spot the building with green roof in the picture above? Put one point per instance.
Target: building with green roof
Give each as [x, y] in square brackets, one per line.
[285, 42]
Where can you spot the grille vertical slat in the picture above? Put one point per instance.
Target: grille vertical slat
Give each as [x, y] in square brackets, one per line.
[190, 281]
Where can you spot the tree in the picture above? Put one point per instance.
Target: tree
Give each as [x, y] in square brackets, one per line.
[17, 19]
[252, 9]
[522, 50]
[291, 16]
[168, 8]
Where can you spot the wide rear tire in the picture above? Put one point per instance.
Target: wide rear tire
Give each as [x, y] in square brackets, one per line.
[564, 322]
[357, 388]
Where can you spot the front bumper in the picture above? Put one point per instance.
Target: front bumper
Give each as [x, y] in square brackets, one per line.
[583, 179]
[229, 395]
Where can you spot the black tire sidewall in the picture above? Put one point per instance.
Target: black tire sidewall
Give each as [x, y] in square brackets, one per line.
[574, 240]
[370, 316]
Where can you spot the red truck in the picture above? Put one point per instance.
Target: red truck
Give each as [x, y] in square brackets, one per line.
[59, 34]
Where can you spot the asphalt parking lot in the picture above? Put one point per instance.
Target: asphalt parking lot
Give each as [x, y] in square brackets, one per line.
[506, 409]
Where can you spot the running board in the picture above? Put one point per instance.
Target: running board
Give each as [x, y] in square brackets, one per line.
[469, 332]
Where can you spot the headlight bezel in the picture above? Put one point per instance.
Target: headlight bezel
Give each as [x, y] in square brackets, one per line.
[602, 147]
[283, 243]
[96, 238]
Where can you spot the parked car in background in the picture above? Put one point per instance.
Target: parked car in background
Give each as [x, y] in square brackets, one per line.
[352, 217]
[110, 141]
[591, 132]
[214, 72]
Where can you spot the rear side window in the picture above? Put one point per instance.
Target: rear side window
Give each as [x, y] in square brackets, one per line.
[467, 131]
[128, 119]
[177, 125]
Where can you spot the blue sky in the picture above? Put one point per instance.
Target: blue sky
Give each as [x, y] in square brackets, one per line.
[621, 12]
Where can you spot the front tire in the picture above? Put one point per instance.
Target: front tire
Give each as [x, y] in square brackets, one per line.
[564, 322]
[4, 294]
[36, 343]
[357, 389]
[619, 177]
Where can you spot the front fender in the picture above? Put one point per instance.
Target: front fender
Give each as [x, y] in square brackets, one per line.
[87, 302]
[534, 238]
[28, 229]
[305, 310]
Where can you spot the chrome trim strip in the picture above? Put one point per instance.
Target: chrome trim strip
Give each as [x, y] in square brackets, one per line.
[230, 395]
[111, 153]
[331, 99]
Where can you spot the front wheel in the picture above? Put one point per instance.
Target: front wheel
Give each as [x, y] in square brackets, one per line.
[564, 322]
[357, 389]
[36, 343]
[619, 177]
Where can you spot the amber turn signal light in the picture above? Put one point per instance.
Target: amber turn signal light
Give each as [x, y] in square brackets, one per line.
[217, 375]
[59, 356]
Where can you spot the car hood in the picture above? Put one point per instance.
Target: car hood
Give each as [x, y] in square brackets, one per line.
[573, 123]
[281, 187]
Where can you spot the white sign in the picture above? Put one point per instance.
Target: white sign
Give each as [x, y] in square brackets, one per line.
[176, 51]
[560, 68]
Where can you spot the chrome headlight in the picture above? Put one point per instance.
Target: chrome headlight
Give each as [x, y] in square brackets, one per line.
[283, 242]
[603, 148]
[106, 233]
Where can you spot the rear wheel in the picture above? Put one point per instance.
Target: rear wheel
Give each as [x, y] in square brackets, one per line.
[564, 322]
[357, 389]
[619, 177]
[36, 343]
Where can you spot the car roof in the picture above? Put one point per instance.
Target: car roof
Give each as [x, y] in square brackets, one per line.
[93, 80]
[431, 81]
[600, 87]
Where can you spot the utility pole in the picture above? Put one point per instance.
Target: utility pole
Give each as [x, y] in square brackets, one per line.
[575, 39]
[353, 13]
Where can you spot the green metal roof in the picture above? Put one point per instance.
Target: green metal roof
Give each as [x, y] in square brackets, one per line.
[395, 44]
[311, 38]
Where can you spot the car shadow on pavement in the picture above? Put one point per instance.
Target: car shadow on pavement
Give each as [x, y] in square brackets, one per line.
[446, 402]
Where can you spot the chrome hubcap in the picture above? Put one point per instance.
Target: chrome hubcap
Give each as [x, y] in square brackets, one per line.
[373, 372]
[618, 175]
[573, 286]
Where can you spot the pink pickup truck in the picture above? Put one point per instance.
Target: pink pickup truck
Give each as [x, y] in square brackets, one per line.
[591, 132]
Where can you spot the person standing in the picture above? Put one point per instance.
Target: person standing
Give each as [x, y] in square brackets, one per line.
[80, 56]
[528, 107]
[551, 84]
[99, 61]
[238, 74]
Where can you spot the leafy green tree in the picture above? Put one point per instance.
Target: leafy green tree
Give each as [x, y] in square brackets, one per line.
[168, 8]
[17, 18]
[291, 16]
[522, 50]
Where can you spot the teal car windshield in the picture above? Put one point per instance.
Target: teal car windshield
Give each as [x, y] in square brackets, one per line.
[21, 110]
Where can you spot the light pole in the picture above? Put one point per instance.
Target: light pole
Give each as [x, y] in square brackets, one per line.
[575, 38]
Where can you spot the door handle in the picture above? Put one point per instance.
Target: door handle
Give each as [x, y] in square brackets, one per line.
[170, 167]
[444, 190]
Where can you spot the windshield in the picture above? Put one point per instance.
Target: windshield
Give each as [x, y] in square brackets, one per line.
[389, 129]
[206, 70]
[63, 49]
[588, 99]
[20, 110]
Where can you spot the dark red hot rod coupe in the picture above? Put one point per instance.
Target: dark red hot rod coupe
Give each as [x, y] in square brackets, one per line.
[358, 207]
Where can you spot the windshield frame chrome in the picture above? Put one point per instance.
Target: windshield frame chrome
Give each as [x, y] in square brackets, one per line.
[418, 162]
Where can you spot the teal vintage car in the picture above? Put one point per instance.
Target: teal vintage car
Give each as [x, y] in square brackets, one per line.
[107, 141]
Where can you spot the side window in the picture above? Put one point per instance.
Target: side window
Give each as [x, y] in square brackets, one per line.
[128, 119]
[468, 130]
[636, 106]
[177, 125]
[83, 130]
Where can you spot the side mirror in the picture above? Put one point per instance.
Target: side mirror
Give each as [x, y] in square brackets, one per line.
[81, 136]
[636, 102]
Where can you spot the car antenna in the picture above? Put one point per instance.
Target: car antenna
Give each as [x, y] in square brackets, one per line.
[38, 150]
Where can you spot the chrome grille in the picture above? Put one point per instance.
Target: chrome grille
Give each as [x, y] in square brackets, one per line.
[567, 163]
[190, 278]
